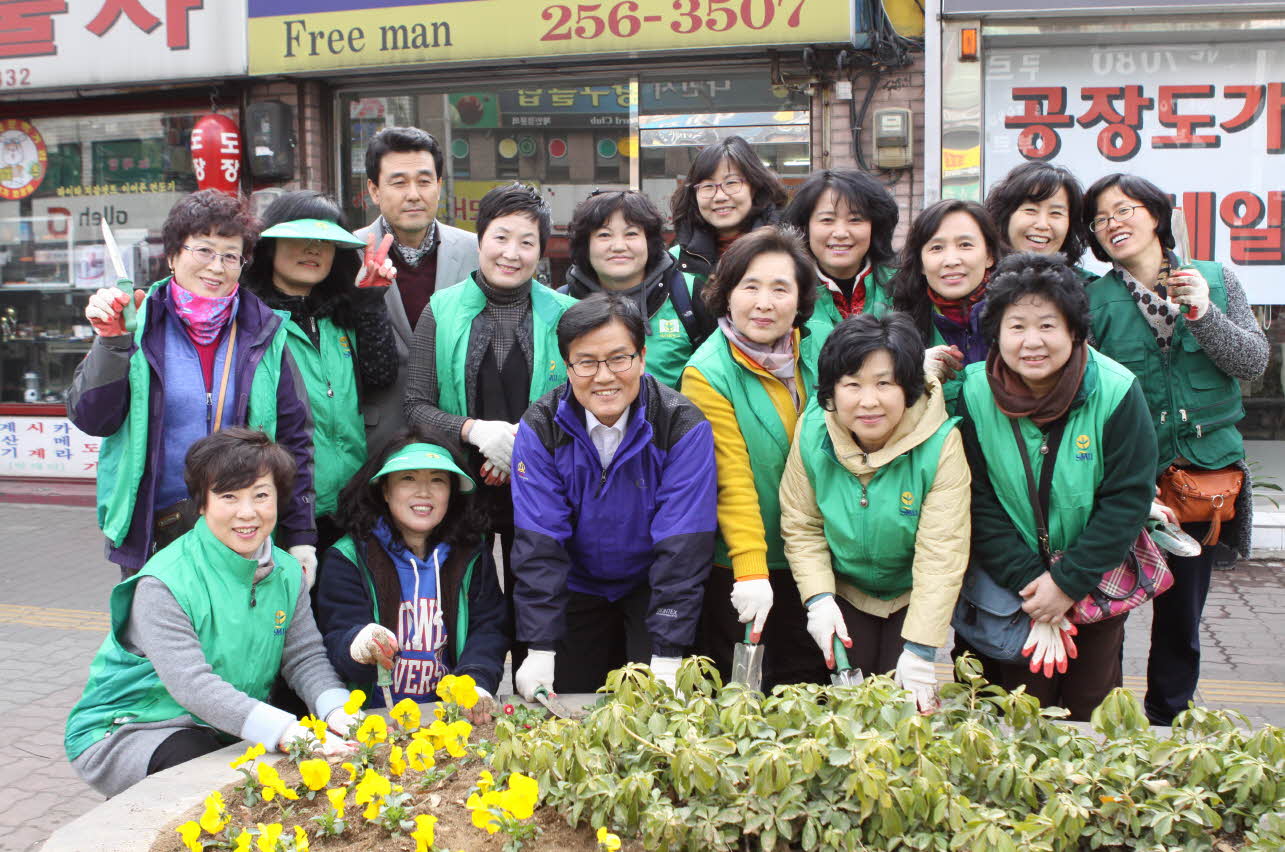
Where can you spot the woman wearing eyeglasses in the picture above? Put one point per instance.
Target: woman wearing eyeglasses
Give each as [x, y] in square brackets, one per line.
[307, 264]
[1187, 332]
[728, 193]
[191, 355]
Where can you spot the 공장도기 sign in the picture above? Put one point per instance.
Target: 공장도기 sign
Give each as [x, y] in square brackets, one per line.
[310, 35]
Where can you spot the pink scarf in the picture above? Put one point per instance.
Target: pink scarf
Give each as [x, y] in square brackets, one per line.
[202, 316]
[777, 359]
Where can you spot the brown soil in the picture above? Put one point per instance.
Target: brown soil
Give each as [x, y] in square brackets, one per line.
[445, 800]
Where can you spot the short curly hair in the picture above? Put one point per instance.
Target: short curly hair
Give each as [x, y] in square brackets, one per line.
[209, 211]
[1048, 276]
[770, 239]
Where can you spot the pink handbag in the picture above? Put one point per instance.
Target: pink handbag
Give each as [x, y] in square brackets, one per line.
[1142, 575]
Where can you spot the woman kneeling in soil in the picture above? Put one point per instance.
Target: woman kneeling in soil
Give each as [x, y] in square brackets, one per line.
[200, 634]
[413, 587]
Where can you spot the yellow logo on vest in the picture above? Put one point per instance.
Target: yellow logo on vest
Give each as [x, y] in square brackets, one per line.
[670, 328]
[1082, 447]
[345, 345]
[521, 469]
[280, 618]
[908, 504]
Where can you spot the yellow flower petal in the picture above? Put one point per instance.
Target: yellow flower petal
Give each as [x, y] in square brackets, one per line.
[396, 763]
[243, 841]
[251, 753]
[444, 687]
[356, 699]
[336, 795]
[464, 691]
[190, 832]
[268, 837]
[373, 730]
[406, 712]
[300, 839]
[315, 773]
[372, 810]
[352, 771]
[317, 726]
[485, 780]
[372, 784]
[423, 833]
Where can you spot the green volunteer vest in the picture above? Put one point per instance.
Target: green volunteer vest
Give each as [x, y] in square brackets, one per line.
[242, 643]
[668, 346]
[1194, 405]
[764, 433]
[825, 315]
[454, 310]
[123, 454]
[339, 432]
[459, 635]
[873, 546]
[1078, 464]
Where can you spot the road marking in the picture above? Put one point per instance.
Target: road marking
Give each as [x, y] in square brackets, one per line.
[1209, 692]
[60, 619]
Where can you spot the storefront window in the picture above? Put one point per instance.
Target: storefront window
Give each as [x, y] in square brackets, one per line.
[126, 170]
[569, 139]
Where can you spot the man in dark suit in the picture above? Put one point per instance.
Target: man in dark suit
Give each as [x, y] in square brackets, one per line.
[404, 177]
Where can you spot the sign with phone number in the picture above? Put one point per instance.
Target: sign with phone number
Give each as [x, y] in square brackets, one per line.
[310, 35]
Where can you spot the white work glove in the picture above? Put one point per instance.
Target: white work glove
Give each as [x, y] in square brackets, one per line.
[374, 645]
[306, 554]
[536, 671]
[340, 721]
[332, 747]
[494, 438]
[1162, 513]
[916, 675]
[665, 670]
[753, 601]
[824, 621]
[1049, 646]
[943, 361]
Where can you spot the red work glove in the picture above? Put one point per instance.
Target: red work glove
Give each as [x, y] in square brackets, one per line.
[105, 310]
[377, 268]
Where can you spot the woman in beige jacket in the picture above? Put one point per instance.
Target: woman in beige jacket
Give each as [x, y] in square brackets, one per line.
[875, 504]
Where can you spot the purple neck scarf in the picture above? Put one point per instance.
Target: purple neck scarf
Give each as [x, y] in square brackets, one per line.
[203, 316]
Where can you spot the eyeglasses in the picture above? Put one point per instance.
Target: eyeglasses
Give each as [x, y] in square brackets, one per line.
[1122, 214]
[587, 368]
[730, 186]
[206, 255]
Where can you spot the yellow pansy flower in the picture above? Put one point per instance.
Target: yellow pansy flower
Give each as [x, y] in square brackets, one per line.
[444, 687]
[300, 839]
[423, 833]
[250, 754]
[485, 780]
[272, 784]
[243, 841]
[315, 773]
[190, 832]
[419, 754]
[317, 726]
[396, 763]
[373, 730]
[406, 712]
[214, 818]
[372, 810]
[336, 795]
[356, 699]
[268, 837]
[464, 691]
[522, 795]
[607, 840]
[372, 784]
[352, 771]
[482, 818]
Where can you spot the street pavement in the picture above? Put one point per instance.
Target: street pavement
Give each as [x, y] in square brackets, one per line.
[55, 585]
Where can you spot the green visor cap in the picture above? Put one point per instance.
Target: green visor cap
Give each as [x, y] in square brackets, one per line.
[424, 457]
[313, 229]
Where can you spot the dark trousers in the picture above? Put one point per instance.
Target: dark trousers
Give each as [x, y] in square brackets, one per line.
[876, 641]
[789, 654]
[182, 746]
[1173, 667]
[1089, 677]
[601, 635]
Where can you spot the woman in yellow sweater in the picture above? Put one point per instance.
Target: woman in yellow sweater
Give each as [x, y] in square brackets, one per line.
[751, 382]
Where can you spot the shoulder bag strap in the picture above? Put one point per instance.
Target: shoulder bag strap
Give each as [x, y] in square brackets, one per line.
[223, 382]
[1039, 496]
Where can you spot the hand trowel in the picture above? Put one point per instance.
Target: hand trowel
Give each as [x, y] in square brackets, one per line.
[747, 661]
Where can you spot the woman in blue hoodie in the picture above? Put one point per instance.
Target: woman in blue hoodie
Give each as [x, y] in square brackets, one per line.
[413, 587]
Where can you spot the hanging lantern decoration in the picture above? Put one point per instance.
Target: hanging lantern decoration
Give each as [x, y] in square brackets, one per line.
[216, 153]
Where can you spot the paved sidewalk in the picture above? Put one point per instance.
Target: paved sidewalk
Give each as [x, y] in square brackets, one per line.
[53, 615]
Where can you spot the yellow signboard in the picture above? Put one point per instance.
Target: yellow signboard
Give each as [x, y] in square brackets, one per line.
[317, 35]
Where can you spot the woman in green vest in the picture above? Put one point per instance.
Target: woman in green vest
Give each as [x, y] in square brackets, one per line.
[199, 635]
[1044, 400]
[727, 193]
[1190, 336]
[874, 504]
[849, 219]
[412, 587]
[1039, 207]
[751, 380]
[306, 264]
[941, 282]
[486, 349]
[617, 247]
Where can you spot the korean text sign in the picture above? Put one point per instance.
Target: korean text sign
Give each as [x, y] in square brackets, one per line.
[310, 35]
[46, 446]
[60, 43]
[1204, 122]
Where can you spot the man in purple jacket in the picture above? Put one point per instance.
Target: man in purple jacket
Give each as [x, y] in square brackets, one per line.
[614, 496]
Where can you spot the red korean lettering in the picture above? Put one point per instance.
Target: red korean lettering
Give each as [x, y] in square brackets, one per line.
[111, 11]
[1200, 210]
[1257, 235]
[1259, 100]
[1119, 139]
[39, 453]
[176, 29]
[1185, 125]
[27, 27]
[1043, 108]
[36, 427]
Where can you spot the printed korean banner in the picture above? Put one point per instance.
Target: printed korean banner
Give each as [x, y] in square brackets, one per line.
[310, 35]
[46, 446]
[60, 43]
[1204, 122]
